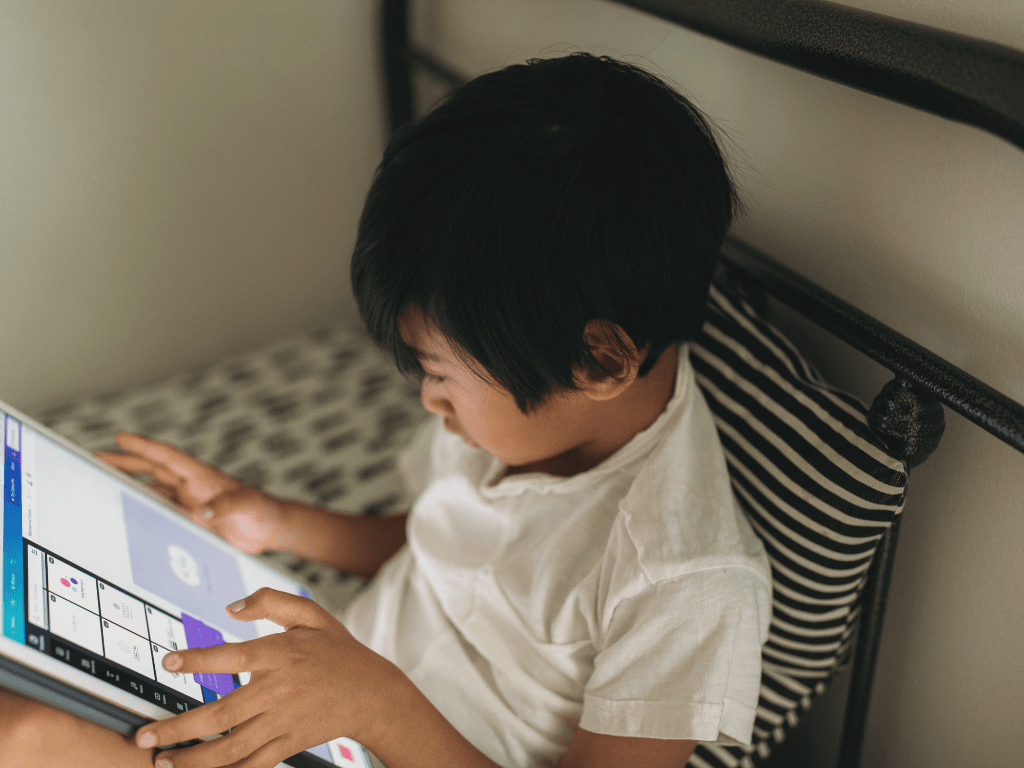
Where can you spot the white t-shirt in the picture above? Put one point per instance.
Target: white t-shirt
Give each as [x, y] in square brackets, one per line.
[631, 599]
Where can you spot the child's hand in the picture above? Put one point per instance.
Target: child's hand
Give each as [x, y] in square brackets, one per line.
[310, 684]
[243, 516]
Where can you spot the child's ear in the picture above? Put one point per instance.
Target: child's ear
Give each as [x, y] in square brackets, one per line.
[615, 351]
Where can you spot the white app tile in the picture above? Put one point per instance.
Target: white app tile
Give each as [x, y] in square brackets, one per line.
[165, 630]
[13, 434]
[75, 624]
[28, 484]
[347, 753]
[71, 584]
[36, 593]
[183, 683]
[127, 649]
[123, 609]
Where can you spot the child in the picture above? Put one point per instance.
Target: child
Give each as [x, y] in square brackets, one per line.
[574, 585]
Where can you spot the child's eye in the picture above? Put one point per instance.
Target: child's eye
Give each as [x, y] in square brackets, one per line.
[433, 377]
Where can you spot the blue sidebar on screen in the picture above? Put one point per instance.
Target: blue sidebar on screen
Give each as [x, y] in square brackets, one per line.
[14, 550]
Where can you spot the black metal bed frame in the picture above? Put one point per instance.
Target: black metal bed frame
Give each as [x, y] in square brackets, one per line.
[962, 78]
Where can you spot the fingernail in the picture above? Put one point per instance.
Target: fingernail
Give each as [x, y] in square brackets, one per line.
[201, 515]
[172, 661]
[146, 739]
[163, 762]
[236, 606]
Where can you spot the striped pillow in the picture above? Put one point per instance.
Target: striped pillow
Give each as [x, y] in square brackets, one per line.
[818, 487]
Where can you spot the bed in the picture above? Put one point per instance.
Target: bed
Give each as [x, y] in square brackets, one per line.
[321, 417]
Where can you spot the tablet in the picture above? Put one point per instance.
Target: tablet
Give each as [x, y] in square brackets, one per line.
[102, 577]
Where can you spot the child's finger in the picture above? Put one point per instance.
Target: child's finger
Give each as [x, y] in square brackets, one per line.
[257, 655]
[288, 611]
[208, 720]
[175, 460]
[272, 754]
[164, 490]
[137, 465]
[252, 742]
[129, 462]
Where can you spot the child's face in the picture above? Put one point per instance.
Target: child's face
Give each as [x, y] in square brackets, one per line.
[484, 414]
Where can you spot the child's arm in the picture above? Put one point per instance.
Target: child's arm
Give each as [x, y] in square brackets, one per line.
[356, 544]
[315, 682]
[598, 750]
[255, 521]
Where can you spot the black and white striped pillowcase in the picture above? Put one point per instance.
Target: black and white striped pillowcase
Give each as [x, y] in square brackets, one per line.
[818, 487]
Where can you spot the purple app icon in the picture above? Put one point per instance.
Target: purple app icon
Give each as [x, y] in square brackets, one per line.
[200, 635]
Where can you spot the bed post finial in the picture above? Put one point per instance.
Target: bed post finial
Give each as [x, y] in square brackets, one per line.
[910, 420]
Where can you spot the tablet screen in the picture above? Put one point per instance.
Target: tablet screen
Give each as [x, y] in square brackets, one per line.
[104, 580]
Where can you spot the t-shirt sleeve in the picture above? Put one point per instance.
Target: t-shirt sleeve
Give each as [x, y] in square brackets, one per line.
[681, 659]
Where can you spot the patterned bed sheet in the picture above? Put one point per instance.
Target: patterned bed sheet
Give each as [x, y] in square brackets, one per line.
[320, 418]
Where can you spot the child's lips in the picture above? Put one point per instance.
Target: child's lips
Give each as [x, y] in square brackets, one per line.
[456, 431]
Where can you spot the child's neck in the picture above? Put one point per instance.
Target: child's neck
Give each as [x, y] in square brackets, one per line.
[613, 423]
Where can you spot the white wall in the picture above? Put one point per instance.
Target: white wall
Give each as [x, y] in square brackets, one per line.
[918, 221]
[179, 180]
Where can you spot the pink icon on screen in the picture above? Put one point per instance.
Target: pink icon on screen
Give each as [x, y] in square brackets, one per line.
[65, 582]
[344, 752]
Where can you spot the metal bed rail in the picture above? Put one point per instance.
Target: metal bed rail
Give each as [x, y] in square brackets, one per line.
[962, 78]
[913, 365]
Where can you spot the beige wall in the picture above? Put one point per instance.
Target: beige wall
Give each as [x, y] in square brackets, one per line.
[179, 180]
[918, 221]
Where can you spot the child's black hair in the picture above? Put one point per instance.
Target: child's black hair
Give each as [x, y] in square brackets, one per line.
[535, 199]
